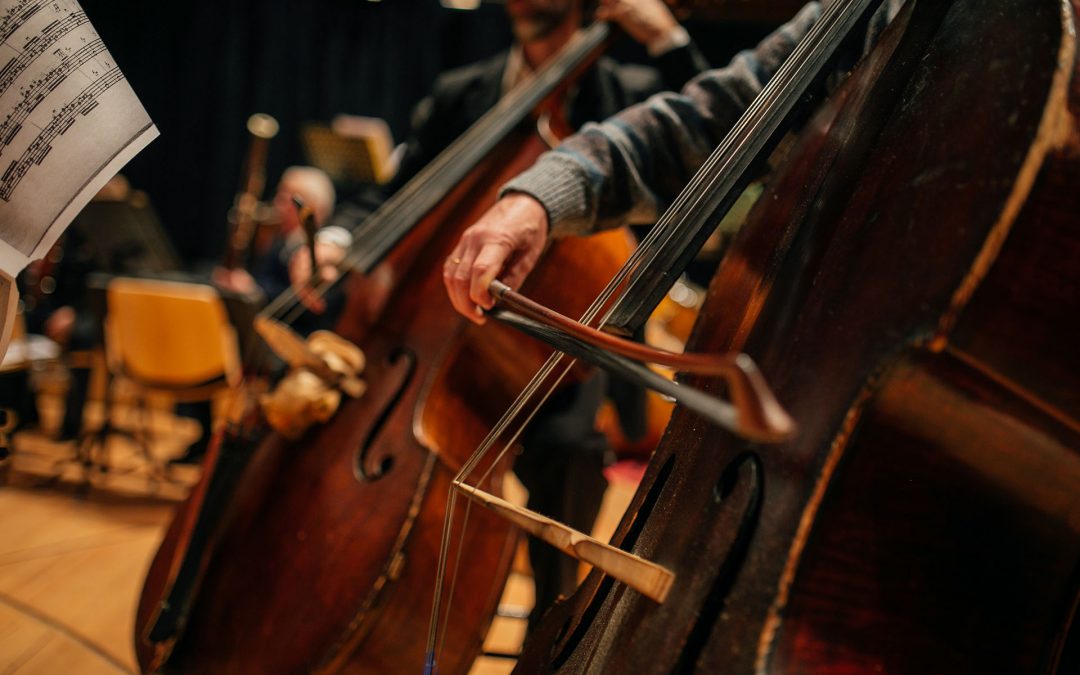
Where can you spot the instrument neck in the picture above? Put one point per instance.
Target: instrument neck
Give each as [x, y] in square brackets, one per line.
[684, 227]
[378, 235]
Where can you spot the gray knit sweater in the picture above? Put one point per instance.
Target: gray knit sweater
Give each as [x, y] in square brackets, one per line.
[627, 169]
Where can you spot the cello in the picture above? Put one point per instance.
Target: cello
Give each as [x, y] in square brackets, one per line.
[908, 285]
[315, 553]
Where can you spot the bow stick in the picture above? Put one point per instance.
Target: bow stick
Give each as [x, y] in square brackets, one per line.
[754, 413]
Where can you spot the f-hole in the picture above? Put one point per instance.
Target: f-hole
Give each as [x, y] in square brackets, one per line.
[744, 473]
[403, 362]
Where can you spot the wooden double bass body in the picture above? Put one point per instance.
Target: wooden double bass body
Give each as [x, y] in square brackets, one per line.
[909, 286]
[326, 561]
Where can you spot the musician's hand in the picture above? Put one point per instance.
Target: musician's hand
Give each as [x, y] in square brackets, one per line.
[647, 21]
[59, 325]
[327, 256]
[506, 242]
[235, 280]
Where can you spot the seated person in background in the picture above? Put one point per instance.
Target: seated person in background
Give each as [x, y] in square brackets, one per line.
[52, 295]
[461, 96]
[624, 170]
[541, 27]
[269, 275]
[269, 272]
[564, 454]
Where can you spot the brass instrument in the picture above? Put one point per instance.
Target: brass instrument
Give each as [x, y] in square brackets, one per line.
[248, 210]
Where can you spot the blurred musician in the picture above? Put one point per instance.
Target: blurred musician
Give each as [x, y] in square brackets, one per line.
[270, 269]
[53, 297]
[269, 275]
[632, 166]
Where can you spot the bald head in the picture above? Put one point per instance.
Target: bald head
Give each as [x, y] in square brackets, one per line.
[311, 185]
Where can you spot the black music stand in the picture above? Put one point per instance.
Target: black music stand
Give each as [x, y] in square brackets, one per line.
[127, 235]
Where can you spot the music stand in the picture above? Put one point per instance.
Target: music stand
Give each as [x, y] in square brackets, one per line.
[127, 236]
[351, 149]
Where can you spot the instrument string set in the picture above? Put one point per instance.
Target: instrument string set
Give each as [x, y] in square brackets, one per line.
[750, 133]
[383, 230]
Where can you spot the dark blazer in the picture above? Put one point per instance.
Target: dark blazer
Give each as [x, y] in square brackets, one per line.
[461, 96]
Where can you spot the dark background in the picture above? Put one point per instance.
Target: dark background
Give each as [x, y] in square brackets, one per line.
[201, 68]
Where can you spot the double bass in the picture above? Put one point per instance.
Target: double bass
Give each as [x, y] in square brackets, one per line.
[318, 554]
[908, 285]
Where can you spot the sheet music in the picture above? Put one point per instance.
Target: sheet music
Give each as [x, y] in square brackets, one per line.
[69, 121]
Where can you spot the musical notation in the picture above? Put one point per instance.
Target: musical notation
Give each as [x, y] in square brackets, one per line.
[68, 121]
[38, 89]
[62, 120]
[17, 15]
[38, 45]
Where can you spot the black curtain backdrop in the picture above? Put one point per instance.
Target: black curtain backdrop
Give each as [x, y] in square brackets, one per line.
[202, 68]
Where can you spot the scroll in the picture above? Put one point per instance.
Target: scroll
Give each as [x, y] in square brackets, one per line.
[68, 122]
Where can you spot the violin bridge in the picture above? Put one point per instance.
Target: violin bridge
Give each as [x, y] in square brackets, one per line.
[651, 580]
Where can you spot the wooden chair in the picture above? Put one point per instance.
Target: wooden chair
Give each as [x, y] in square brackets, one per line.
[166, 337]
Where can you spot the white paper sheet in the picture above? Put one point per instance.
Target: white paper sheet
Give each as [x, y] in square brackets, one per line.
[68, 122]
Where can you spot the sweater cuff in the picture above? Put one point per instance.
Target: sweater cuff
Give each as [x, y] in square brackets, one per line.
[673, 39]
[565, 201]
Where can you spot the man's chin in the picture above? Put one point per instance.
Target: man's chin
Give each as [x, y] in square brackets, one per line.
[529, 30]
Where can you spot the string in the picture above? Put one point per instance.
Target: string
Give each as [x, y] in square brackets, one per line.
[753, 128]
[761, 113]
[457, 567]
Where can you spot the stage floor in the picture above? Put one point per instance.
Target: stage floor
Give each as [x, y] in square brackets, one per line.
[72, 559]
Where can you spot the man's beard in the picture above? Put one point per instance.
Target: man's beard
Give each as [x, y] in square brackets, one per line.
[537, 26]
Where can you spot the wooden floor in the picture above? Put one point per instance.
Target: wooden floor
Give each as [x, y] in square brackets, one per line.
[72, 558]
[74, 547]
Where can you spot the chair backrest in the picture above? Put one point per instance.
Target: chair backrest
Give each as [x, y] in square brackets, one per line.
[169, 334]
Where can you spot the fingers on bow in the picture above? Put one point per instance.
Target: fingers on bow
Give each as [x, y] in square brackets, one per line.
[468, 273]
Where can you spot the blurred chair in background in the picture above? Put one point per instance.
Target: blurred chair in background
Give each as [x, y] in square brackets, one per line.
[164, 338]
